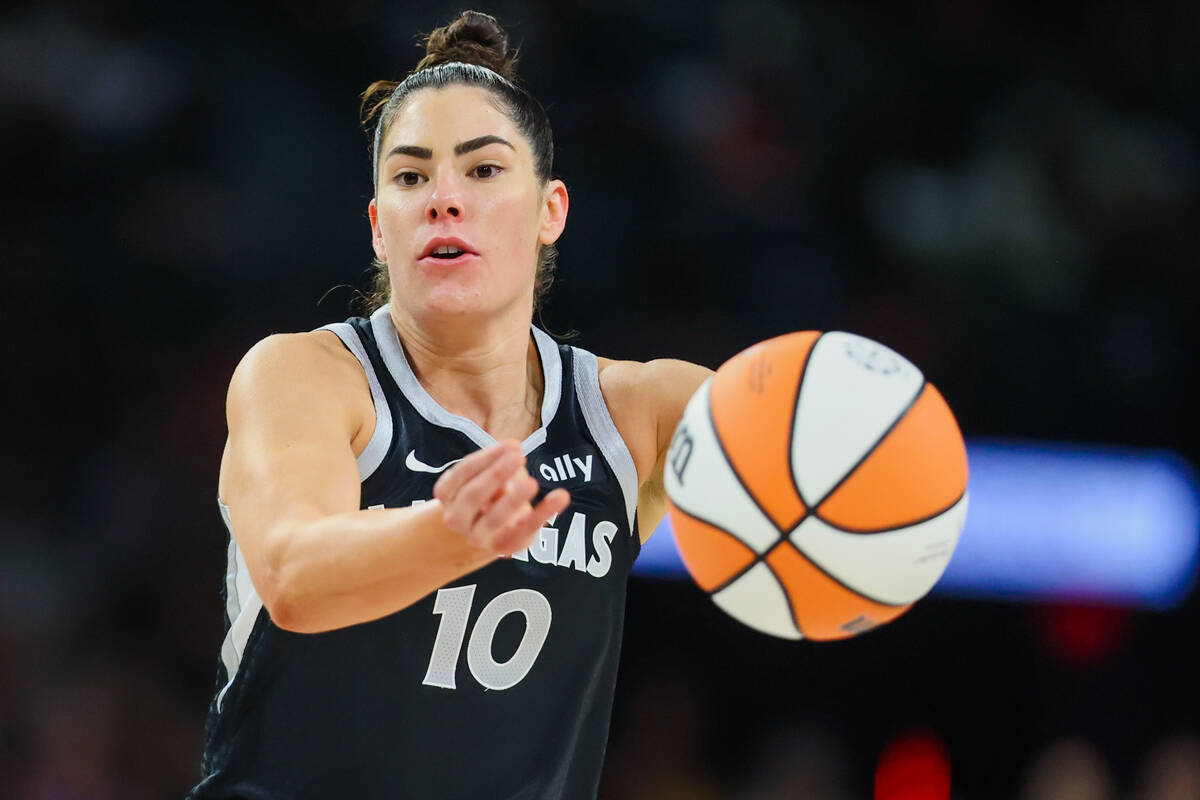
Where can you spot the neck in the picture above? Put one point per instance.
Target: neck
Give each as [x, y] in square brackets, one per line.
[487, 371]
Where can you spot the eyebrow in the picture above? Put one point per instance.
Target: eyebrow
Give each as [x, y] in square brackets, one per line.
[459, 149]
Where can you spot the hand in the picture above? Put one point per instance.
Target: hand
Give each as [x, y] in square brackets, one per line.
[486, 498]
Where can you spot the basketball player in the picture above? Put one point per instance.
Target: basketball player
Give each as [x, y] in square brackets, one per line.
[434, 509]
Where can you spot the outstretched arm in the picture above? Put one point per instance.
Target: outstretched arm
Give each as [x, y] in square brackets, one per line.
[291, 483]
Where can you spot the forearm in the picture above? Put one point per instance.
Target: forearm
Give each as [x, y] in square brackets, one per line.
[357, 566]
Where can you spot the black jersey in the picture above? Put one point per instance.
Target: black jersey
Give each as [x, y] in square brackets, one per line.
[497, 686]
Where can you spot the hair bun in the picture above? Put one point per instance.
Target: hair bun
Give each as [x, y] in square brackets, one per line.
[473, 38]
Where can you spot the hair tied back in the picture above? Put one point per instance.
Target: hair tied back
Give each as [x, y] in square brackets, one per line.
[473, 38]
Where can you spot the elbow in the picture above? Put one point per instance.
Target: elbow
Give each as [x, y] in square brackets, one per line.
[285, 612]
[290, 610]
[288, 619]
[281, 590]
[280, 602]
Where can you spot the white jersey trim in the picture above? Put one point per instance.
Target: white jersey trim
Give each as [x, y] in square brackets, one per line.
[381, 439]
[397, 363]
[242, 604]
[604, 430]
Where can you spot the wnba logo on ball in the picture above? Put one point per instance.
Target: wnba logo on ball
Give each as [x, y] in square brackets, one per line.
[680, 452]
[873, 357]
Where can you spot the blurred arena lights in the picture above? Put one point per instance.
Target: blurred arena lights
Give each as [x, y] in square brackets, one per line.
[1058, 522]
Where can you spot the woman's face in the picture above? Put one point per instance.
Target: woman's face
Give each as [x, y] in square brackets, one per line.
[456, 175]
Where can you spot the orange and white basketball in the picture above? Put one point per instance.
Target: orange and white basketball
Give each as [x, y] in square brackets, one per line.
[817, 485]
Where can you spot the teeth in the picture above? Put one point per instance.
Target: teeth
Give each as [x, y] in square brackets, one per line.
[446, 250]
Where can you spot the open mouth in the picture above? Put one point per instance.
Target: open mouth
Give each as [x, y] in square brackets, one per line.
[448, 252]
[449, 257]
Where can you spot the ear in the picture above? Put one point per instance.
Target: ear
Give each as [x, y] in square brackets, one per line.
[376, 235]
[554, 212]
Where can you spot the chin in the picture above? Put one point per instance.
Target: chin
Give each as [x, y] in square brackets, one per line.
[456, 302]
[461, 296]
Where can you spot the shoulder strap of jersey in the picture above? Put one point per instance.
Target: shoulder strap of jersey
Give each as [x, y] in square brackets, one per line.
[604, 430]
[375, 451]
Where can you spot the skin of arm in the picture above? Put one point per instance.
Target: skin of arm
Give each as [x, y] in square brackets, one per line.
[298, 410]
[646, 401]
[298, 405]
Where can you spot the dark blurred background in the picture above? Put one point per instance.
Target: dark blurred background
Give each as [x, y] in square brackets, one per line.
[1004, 192]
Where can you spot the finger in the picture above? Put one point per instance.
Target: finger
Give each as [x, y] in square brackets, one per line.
[516, 492]
[487, 486]
[464, 508]
[519, 532]
[453, 479]
[457, 476]
[461, 506]
[553, 503]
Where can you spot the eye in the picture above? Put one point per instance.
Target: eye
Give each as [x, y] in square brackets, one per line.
[486, 171]
[409, 178]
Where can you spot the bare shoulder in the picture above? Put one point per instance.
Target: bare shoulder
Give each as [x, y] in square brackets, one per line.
[302, 380]
[646, 400]
[316, 361]
[623, 385]
[647, 375]
[653, 382]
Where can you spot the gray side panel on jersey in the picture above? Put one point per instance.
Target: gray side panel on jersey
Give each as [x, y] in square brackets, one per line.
[242, 603]
[375, 451]
[397, 363]
[233, 602]
[604, 430]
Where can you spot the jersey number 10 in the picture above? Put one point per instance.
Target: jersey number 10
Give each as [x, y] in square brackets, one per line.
[454, 606]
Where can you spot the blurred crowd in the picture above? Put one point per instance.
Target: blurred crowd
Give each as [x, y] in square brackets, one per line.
[1004, 192]
[803, 762]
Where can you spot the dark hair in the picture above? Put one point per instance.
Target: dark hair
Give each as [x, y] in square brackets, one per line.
[471, 50]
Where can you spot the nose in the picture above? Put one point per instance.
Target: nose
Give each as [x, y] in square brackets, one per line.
[445, 201]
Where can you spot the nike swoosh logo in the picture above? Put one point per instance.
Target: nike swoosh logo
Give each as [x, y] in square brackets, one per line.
[416, 465]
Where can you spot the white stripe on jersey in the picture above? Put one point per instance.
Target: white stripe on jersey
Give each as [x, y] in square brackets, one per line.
[242, 603]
